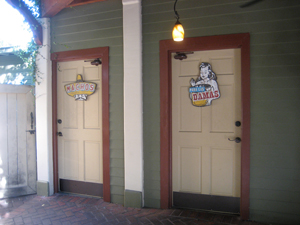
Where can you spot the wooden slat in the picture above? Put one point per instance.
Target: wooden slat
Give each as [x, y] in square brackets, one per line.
[30, 140]
[21, 141]
[12, 146]
[4, 133]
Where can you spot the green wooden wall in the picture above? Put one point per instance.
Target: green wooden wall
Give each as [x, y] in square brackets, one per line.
[274, 27]
[99, 25]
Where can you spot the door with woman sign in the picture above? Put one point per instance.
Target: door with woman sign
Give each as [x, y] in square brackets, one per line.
[206, 115]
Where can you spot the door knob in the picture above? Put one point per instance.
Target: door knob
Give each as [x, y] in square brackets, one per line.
[238, 123]
[59, 134]
[237, 139]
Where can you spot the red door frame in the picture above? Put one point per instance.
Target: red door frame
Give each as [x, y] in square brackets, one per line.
[93, 53]
[230, 41]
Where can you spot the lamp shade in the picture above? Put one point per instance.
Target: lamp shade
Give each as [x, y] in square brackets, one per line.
[178, 32]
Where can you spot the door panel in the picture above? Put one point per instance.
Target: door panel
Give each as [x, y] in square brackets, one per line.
[93, 157]
[186, 112]
[204, 161]
[222, 172]
[190, 169]
[69, 160]
[17, 152]
[222, 118]
[189, 67]
[92, 72]
[80, 147]
[70, 115]
[92, 110]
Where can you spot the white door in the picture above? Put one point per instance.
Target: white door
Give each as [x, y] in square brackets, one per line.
[17, 138]
[80, 124]
[206, 165]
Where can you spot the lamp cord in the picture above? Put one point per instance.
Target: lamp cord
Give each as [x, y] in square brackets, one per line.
[176, 14]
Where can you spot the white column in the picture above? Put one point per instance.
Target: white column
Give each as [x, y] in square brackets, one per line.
[133, 95]
[44, 110]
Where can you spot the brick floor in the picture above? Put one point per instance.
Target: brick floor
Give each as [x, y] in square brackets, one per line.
[62, 209]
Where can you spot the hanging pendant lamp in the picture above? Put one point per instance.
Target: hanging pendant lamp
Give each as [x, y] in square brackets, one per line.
[178, 31]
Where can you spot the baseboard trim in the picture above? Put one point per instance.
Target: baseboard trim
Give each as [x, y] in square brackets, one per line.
[42, 188]
[81, 187]
[206, 202]
[133, 199]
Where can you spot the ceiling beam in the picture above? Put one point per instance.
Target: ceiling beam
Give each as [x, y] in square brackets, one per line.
[51, 7]
[83, 2]
[35, 26]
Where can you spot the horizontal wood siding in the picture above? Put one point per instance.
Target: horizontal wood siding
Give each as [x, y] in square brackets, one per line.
[99, 25]
[274, 27]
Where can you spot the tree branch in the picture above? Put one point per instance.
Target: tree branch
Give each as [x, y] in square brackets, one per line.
[35, 26]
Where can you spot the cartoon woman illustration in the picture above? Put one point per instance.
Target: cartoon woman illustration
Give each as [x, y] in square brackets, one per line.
[207, 80]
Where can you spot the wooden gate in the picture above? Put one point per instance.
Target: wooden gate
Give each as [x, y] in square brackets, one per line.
[17, 138]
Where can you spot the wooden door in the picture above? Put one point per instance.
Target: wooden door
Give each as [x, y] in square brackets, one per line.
[205, 163]
[17, 138]
[80, 155]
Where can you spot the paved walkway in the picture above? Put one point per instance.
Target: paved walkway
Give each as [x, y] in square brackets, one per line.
[72, 209]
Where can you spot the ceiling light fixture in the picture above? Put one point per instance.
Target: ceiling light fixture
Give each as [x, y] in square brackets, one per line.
[178, 31]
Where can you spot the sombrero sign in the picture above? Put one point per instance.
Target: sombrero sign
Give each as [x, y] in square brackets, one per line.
[80, 89]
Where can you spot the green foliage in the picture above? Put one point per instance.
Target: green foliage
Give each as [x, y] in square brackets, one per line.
[33, 6]
[29, 56]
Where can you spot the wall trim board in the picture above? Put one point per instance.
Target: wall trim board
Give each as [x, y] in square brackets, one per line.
[103, 53]
[133, 199]
[42, 188]
[133, 96]
[230, 41]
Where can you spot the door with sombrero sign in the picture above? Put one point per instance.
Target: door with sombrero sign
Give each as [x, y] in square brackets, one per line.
[79, 126]
[206, 115]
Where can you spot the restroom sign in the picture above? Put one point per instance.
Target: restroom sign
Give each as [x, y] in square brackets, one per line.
[205, 88]
[80, 89]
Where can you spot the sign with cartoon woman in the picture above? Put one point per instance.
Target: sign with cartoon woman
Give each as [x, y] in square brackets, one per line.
[205, 88]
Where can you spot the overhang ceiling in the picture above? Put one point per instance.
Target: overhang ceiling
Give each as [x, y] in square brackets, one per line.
[51, 7]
